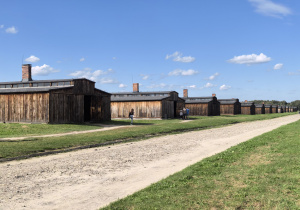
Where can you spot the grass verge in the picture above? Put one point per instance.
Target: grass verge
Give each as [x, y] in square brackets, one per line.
[262, 173]
[21, 129]
[144, 129]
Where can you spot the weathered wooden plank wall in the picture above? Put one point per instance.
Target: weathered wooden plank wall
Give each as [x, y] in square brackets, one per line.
[248, 110]
[259, 110]
[179, 106]
[168, 109]
[200, 109]
[228, 109]
[100, 108]
[84, 87]
[268, 110]
[142, 109]
[274, 109]
[24, 107]
[66, 108]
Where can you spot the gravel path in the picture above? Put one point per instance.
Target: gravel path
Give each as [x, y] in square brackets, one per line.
[92, 178]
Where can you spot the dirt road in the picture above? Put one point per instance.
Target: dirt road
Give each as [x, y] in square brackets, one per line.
[92, 178]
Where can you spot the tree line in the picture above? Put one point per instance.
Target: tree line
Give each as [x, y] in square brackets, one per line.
[295, 103]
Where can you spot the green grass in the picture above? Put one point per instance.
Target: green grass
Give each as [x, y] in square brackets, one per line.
[20, 129]
[262, 173]
[144, 129]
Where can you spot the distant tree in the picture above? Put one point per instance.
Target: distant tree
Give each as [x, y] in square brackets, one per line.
[273, 102]
[279, 103]
[296, 104]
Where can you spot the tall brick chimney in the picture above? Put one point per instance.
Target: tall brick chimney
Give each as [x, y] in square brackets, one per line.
[185, 93]
[136, 87]
[213, 95]
[246, 101]
[26, 73]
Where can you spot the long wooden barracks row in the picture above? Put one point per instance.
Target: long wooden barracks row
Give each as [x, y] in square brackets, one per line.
[160, 104]
[52, 101]
[78, 101]
[167, 104]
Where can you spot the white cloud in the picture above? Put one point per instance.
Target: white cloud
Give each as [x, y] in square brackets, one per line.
[160, 86]
[177, 56]
[1, 26]
[192, 86]
[144, 76]
[87, 73]
[250, 59]
[225, 87]
[212, 77]
[92, 75]
[294, 73]
[11, 30]
[32, 59]
[82, 59]
[269, 8]
[209, 85]
[108, 81]
[122, 85]
[180, 72]
[43, 70]
[278, 66]
[114, 58]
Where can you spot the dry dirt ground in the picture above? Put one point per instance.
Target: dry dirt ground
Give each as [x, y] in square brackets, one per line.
[92, 178]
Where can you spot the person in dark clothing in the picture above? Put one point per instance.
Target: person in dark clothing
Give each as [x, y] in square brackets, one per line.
[131, 113]
[184, 113]
[187, 113]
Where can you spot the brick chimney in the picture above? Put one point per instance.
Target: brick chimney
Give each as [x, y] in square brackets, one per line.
[136, 87]
[26, 73]
[246, 101]
[185, 93]
[213, 95]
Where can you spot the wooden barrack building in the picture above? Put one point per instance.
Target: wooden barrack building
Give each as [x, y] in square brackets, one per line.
[247, 108]
[259, 109]
[202, 106]
[280, 109]
[268, 109]
[274, 108]
[52, 101]
[160, 104]
[230, 106]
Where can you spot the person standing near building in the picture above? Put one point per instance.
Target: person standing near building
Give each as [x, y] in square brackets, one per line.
[131, 113]
[187, 113]
[184, 113]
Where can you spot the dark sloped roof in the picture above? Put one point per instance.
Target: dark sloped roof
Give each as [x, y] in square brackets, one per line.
[39, 81]
[142, 93]
[268, 106]
[194, 98]
[31, 89]
[259, 105]
[245, 104]
[198, 100]
[138, 98]
[228, 101]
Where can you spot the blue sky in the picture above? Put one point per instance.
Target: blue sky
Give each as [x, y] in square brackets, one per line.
[246, 49]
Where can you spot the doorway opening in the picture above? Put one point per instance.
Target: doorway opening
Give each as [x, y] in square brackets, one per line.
[87, 108]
